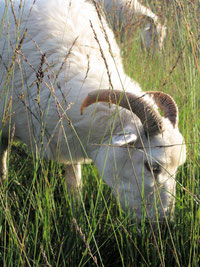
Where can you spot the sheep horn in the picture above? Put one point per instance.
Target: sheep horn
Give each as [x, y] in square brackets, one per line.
[167, 105]
[150, 118]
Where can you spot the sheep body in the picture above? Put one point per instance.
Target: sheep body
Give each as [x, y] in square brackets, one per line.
[53, 40]
[67, 53]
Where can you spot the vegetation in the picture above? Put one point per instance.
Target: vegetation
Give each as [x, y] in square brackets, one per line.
[41, 224]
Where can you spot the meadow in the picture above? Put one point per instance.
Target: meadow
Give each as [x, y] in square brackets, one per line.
[42, 224]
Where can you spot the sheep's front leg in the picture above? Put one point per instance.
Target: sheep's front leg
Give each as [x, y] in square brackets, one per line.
[73, 177]
[144, 11]
[3, 158]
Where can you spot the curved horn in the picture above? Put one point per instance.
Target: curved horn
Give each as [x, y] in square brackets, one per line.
[150, 118]
[167, 105]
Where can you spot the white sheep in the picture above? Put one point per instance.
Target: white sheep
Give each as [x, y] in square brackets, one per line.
[121, 13]
[56, 59]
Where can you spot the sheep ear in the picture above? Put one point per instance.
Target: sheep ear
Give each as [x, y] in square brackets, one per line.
[123, 138]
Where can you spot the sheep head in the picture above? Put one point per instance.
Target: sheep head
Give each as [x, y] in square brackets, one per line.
[153, 34]
[143, 158]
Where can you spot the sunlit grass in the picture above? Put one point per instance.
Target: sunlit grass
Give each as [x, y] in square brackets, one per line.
[37, 213]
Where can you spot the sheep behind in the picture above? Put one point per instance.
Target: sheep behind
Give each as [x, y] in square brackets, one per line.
[123, 14]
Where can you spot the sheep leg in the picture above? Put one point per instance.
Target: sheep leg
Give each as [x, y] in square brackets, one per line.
[3, 158]
[73, 177]
[142, 10]
[129, 8]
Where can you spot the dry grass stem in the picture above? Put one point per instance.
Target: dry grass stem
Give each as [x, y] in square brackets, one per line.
[15, 56]
[79, 231]
[102, 55]
[44, 256]
[175, 64]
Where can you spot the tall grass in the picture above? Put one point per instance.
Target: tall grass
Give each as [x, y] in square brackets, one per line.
[41, 224]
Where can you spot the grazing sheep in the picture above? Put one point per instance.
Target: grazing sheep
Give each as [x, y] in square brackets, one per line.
[120, 14]
[59, 57]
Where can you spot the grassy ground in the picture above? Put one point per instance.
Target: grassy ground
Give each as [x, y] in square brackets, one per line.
[38, 226]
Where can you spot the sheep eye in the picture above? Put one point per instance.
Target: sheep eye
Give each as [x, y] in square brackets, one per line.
[155, 167]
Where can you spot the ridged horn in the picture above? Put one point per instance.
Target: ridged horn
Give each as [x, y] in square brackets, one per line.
[167, 105]
[149, 117]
